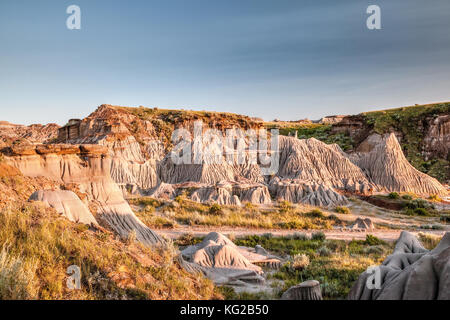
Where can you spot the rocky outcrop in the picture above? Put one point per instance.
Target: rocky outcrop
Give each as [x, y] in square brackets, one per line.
[137, 143]
[139, 161]
[332, 119]
[257, 194]
[308, 193]
[32, 134]
[422, 130]
[411, 272]
[88, 168]
[312, 161]
[310, 171]
[67, 204]
[437, 138]
[221, 194]
[363, 224]
[354, 126]
[386, 166]
[315, 173]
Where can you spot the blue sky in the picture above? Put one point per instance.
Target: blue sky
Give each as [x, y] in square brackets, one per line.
[286, 59]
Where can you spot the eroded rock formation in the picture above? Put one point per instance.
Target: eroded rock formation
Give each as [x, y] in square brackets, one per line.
[67, 204]
[87, 167]
[224, 262]
[363, 224]
[35, 133]
[411, 272]
[137, 143]
[386, 166]
[437, 138]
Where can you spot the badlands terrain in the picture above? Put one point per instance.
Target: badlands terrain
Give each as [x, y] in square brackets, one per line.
[348, 192]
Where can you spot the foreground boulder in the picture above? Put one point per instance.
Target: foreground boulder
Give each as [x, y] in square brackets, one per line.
[411, 272]
[67, 204]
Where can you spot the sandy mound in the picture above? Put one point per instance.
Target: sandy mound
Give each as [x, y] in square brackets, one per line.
[67, 204]
[410, 273]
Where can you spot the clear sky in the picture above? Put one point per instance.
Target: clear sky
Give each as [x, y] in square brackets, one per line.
[285, 59]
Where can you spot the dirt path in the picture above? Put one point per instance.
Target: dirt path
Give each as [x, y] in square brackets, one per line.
[199, 231]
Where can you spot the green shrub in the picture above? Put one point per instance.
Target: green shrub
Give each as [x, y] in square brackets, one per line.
[432, 227]
[181, 198]
[300, 236]
[318, 236]
[393, 195]
[215, 209]
[371, 240]
[435, 197]
[421, 212]
[267, 235]
[285, 206]
[316, 213]
[343, 210]
[378, 249]
[419, 203]
[249, 206]
[188, 239]
[407, 197]
[146, 202]
[149, 209]
[324, 252]
[445, 218]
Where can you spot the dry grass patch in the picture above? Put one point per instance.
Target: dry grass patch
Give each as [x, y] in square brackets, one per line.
[39, 245]
[186, 212]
